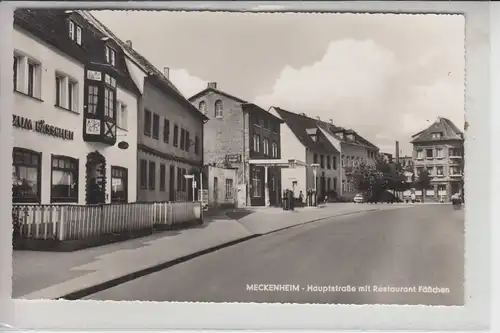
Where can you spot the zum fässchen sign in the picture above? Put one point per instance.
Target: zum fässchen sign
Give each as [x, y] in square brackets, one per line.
[41, 127]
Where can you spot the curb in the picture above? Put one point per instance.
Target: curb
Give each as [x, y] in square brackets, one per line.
[75, 295]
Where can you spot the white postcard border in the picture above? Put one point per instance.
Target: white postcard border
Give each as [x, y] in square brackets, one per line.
[150, 315]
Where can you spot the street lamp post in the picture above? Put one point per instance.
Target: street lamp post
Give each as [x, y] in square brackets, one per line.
[315, 167]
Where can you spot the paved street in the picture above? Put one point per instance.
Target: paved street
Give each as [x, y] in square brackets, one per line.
[417, 247]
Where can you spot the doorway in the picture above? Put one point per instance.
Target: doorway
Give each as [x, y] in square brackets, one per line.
[96, 179]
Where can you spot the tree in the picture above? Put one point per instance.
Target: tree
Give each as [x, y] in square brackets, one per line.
[423, 182]
[366, 178]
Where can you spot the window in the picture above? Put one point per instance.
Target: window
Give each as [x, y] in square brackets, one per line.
[218, 108]
[188, 142]
[179, 179]
[439, 171]
[183, 138]
[328, 162]
[343, 185]
[72, 95]
[64, 187]
[166, 130]
[162, 177]
[420, 154]
[147, 123]
[75, 32]
[59, 90]
[152, 175]
[266, 146]
[229, 188]
[256, 143]
[71, 30]
[203, 107]
[419, 171]
[67, 92]
[454, 171]
[176, 135]
[16, 71]
[328, 184]
[156, 126]
[119, 184]
[343, 160]
[334, 163]
[436, 136]
[32, 71]
[274, 147]
[143, 169]
[429, 153]
[439, 153]
[196, 145]
[322, 161]
[109, 103]
[454, 152]
[335, 184]
[121, 115]
[26, 176]
[184, 180]
[315, 158]
[92, 99]
[110, 55]
[256, 183]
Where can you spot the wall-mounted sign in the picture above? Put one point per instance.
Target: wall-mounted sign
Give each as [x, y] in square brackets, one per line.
[41, 127]
[94, 75]
[93, 126]
[233, 158]
[123, 145]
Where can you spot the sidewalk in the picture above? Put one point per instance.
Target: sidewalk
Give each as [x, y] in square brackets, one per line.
[50, 275]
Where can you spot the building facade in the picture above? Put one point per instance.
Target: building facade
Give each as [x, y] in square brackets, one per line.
[243, 136]
[439, 149]
[169, 128]
[302, 139]
[74, 113]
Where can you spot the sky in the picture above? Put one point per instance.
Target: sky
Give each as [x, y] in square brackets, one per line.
[386, 76]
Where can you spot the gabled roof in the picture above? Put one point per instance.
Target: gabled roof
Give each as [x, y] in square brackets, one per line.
[217, 91]
[156, 76]
[251, 107]
[300, 126]
[329, 127]
[441, 125]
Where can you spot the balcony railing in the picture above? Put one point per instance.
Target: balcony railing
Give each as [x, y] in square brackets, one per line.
[73, 222]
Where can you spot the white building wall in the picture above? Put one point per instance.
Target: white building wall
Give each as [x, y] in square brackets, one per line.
[52, 61]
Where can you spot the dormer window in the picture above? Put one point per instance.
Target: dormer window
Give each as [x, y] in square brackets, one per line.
[313, 133]
[110, 55]
[75, 32]
[437, 135]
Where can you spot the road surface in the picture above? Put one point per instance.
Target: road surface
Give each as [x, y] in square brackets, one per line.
[402, 256]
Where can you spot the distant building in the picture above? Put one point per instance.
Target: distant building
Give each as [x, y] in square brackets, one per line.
[439, 149]
[303, 136]
[244, 136]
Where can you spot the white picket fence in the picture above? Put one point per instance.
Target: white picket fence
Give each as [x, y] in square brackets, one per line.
[73, 222]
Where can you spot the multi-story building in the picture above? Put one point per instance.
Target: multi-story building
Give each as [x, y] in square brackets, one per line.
[170, 130]
[302, 139]
[74, 112]
[439, 149]
[345, 145]
[244, 136]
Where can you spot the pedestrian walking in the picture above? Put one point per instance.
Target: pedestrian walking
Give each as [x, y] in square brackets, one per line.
[413, 197]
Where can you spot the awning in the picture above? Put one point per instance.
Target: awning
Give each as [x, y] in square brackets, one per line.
[282, 163]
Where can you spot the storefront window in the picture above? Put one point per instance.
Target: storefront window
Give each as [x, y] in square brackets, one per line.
[256, 184]
[118, 184]
[25, 176]
[64, 179]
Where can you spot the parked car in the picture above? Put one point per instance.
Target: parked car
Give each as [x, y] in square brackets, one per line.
[358, 198]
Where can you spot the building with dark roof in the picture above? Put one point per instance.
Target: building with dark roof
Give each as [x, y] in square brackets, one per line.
[306, 137]
[170, 129]
[75, 108]
[439, 149]
[244, 136]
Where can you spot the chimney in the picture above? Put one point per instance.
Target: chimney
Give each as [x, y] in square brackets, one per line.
[129, 43]
[302, 114]
[331, 121]
[397, 151]
[212, 85]
[166, 72]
